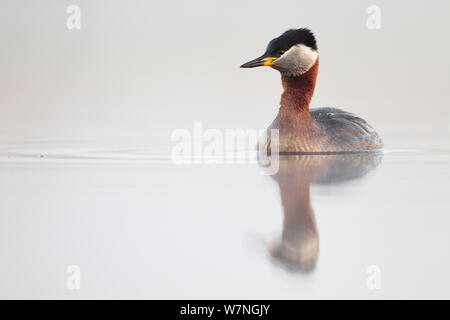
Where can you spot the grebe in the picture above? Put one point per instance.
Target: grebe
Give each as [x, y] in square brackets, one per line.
[301, 130]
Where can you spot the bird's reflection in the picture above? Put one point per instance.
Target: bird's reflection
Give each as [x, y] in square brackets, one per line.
[299, 244]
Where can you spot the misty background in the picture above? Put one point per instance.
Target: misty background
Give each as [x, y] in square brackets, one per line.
[138, 225]
[137, 70]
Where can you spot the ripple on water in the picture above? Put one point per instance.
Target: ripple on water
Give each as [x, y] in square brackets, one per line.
[157, 152]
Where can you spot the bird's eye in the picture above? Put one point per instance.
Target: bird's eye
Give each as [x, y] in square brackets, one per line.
[281, 52]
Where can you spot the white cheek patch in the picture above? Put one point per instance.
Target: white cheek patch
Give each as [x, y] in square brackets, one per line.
[297, 60]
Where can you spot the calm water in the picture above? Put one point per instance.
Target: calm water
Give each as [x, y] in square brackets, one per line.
[139, 226]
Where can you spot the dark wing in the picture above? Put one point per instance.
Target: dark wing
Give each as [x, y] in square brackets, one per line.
[347, 129]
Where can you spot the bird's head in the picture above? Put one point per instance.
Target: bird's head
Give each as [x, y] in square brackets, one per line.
[293, 53]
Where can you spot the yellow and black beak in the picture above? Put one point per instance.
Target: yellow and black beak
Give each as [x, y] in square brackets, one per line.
[259, 62]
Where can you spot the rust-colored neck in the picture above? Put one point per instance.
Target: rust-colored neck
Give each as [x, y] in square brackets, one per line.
[298, 90]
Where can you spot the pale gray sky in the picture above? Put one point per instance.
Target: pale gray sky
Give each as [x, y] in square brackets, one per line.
[140, 69]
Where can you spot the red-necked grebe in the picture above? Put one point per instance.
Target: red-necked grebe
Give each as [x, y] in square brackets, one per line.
[304, 130]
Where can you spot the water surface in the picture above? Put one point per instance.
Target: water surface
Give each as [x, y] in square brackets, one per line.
[139, 226]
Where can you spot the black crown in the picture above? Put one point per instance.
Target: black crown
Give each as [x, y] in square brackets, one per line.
[290, 38]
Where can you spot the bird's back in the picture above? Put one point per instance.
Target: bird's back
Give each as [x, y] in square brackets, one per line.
[346, 131]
